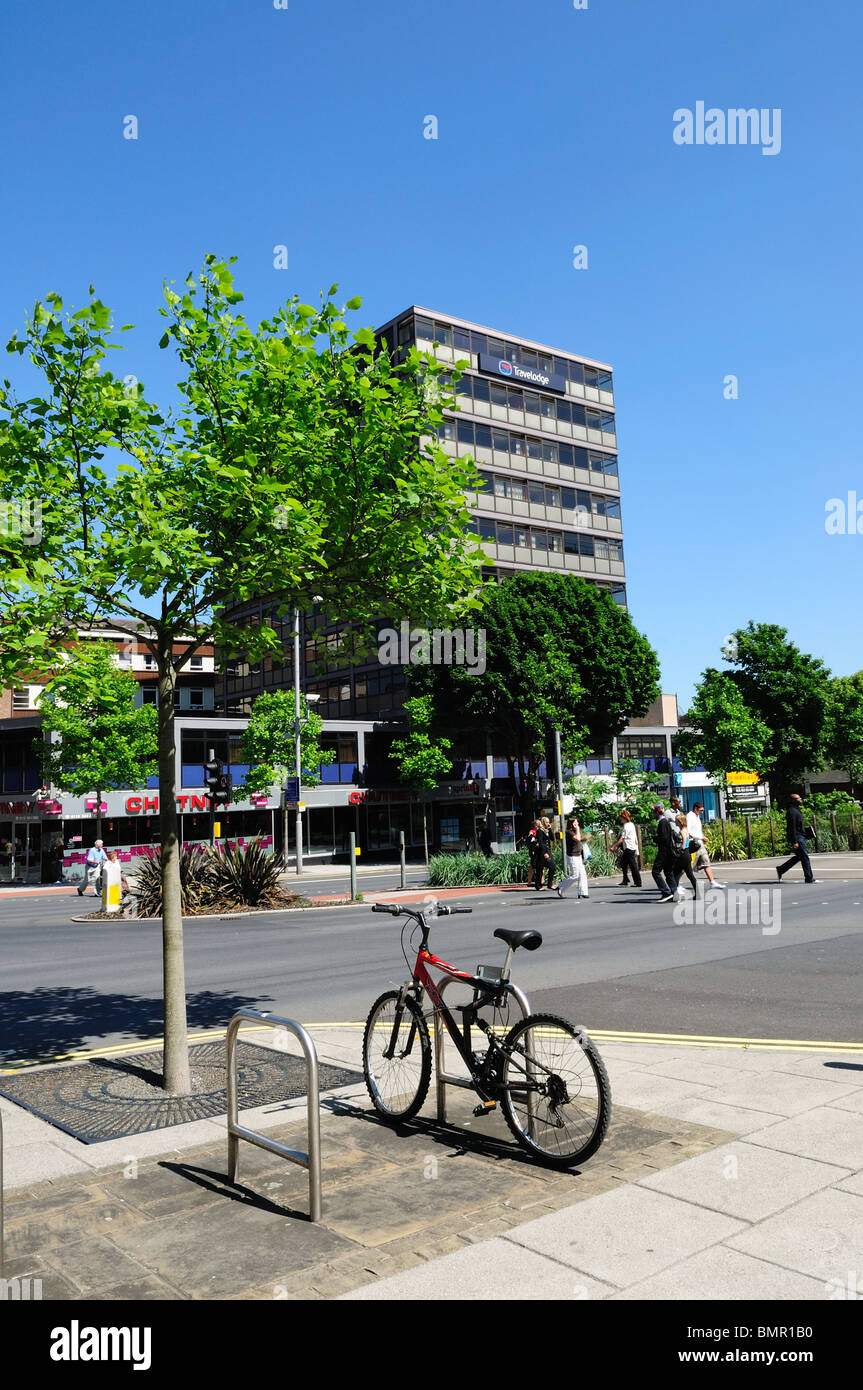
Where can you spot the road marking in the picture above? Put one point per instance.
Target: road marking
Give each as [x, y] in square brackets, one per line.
[600, 1034]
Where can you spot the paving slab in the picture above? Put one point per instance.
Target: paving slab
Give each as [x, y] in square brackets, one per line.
[494, 1269]
[821, 1236]
[826, 1133]
[783, 1093]
[703, 1110]
[720, 1273]
[625, 1235]
[744, 1180]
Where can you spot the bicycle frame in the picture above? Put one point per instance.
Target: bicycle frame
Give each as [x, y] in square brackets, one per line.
[485, 992]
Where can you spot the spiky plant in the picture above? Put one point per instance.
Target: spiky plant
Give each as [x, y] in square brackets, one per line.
[248, 877]
[197, 882]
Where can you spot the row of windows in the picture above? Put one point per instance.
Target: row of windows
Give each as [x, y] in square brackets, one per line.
[150, 696]
[547, 495]
[537, 538]
[530, 403]
[470, 341]
[525, 446]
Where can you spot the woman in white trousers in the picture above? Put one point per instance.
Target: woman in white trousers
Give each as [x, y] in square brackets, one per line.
[576, 869]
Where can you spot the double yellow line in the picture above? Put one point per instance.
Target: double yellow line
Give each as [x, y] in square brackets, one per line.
[606, 1035]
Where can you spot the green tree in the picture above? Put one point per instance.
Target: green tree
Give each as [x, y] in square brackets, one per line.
[93, 736]
[636, 791]
[726, 735]
[421, 760]
[789, 692]
[557, 648]
[843, 739]
[269, 744]
[301, 461]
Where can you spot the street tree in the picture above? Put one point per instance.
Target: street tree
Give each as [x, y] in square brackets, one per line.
[421, 760]
[93, 736]
[558, 649]
[301, 461]
[269, 745]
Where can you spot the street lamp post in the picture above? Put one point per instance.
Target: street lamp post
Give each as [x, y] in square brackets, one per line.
[298, 752]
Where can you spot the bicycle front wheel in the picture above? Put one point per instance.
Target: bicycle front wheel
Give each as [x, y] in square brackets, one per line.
[557, 1097]
[396, 1057]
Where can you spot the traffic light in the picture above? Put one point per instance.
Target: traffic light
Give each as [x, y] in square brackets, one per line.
[213, 770]
[223, 789]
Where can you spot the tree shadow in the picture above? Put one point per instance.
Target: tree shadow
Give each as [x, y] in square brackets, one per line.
[43, 1023]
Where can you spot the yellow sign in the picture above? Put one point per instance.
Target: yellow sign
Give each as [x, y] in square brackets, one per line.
[357, 851]
[217, 830]
[742, 779]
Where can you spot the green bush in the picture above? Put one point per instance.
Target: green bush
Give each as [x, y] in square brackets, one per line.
[196, 882]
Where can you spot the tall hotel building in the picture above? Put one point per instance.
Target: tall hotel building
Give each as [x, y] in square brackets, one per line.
[540, 424]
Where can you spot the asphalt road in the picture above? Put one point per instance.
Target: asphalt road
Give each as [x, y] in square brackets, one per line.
[617, 961]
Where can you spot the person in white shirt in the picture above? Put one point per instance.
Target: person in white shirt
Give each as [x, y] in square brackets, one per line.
[96, 857]
[696, 837]
[628, 846]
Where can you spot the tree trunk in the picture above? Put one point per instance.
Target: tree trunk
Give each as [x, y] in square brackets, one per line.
[176, 1079]
[425, 833]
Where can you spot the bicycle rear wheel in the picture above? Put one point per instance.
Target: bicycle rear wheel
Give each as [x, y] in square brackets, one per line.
[557, 1097]
[398, 1084]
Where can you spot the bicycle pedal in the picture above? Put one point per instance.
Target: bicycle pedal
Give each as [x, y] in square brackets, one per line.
[486, 1108]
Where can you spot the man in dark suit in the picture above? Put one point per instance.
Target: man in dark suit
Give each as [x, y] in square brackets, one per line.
[796, 832]
[664, 862]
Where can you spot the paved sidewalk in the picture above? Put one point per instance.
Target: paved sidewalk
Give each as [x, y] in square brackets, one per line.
[727, 1173]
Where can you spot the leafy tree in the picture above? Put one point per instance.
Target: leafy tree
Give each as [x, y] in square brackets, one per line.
[726, 735]
[789, 692]
[420, 759]
[637, 791]
[269, 744]
[94, 737]
[298, 464]
[843, 740]
[557, 648]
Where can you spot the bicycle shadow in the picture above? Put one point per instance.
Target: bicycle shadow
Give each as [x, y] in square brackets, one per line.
[457, 1134]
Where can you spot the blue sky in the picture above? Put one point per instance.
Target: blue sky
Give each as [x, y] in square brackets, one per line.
[304, 127]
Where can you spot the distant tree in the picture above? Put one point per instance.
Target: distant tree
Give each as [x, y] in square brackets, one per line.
[557, 648]
[93, 735]
[726, 735]
[843, 741]
[789, 692]
[269, 745]
[421, 760]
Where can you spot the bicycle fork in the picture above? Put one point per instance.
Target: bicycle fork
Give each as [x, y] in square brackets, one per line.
[390, 1049]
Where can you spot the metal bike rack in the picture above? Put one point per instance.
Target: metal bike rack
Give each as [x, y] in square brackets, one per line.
[442, 1078]
[310, 1160]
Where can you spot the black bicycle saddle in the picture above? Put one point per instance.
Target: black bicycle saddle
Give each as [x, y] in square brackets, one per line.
[530, 940]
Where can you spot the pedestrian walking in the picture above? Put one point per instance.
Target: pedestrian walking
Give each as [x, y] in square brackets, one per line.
[682, 863]
[542, 860]
[696, 844]
[674, 808]
[796, 832]
[628, 846]
[96, 857]
[664, 861]
[576, 869]
[530, 845]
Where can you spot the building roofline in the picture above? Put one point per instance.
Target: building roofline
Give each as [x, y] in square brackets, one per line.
[497, 333]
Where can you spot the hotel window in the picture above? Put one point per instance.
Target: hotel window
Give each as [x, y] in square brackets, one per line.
[483, 436]
[406, 330]
[443, 334]
[496, 347]
[576, 372]
[465, 432]
[480, 388]
[591, 377]
[605, 381]
[424, 329]
[478, 342]
[505, 534]
[461, 339]
[498, 394]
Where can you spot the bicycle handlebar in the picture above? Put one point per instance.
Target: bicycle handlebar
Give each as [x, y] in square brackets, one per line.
[396, 909]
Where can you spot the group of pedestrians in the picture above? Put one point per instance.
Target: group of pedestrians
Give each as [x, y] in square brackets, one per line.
[678, 837]
[540, 847]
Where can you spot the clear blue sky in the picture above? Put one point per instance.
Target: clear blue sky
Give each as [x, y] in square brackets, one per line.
[304, 127]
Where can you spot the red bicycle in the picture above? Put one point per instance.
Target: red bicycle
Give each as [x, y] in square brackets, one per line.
[546, 1073]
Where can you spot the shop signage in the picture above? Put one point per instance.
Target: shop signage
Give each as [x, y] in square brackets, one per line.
[525, 376]
[149, 805]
